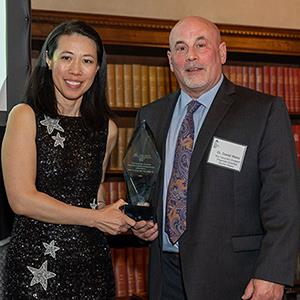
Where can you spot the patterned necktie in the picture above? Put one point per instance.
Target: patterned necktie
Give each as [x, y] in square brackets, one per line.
[177, 189]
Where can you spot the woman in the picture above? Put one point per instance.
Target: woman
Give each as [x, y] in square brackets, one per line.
[55, 152]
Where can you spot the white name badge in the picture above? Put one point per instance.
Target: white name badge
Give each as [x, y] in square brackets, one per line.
[227, 154]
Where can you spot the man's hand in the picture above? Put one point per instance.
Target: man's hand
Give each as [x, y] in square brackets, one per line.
[145, 230]
[258, 289]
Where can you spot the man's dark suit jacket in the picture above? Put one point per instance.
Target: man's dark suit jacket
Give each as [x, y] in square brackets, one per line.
[240, 225]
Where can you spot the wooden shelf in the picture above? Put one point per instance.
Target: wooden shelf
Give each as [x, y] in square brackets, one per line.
[115, 175]
[125, 110]
[133, 297]
[125, 240]
[295, 116]
[153, 33]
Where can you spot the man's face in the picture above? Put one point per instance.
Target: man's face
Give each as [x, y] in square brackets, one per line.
[196, 55]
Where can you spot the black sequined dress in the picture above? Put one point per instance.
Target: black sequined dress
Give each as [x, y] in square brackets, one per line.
[50, 261]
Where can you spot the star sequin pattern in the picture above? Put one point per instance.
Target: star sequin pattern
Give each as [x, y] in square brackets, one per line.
[41, 275]
[51, 124]
[51, 249]
[59, 140]
[94, 204]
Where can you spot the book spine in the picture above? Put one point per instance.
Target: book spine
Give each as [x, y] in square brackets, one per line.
[232, 73]
[113, 160]
[145, 91]
[273, 80]
[266, 79]
[111, 85]
[119, 85]
[167, 80]
[284, 88]
[245, 72]
[160, 75]
[291, 89]
[252, 77]
[121, 147]
[296, 76]
[281, 82]
[174, 83]
[130, 271]
[259, 79]
[139, 271]
[120, 271]
[113, 191]
[121, 190]
[106, 192]
[137, 85]
[146, 266]
[239, 75]
[129, 133]
[152, 83]
[226, 71]
[128, 85]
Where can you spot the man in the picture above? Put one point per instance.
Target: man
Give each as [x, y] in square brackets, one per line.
[228, 203]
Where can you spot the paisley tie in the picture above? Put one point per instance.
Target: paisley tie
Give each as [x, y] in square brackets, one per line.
[177, 189]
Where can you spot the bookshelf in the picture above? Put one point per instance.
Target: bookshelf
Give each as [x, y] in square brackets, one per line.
[267, 59]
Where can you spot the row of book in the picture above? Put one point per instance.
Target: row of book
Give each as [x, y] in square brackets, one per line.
[114, 190]
[117, 155]
[130, 269]
[134, 85]
[280, 81]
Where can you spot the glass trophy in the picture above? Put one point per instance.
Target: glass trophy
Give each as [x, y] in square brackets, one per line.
[141, 165]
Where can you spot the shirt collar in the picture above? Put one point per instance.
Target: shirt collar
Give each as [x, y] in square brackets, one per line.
[206, 99]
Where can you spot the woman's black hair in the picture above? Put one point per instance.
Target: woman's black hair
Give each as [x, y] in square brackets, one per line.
[40, 93]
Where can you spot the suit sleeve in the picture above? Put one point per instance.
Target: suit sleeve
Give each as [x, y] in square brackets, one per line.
[279, 199]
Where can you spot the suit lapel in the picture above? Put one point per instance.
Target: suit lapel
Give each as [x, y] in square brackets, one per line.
[218, 110]
[164, 117]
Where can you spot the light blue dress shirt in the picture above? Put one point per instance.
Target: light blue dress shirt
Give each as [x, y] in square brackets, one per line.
[178, 115]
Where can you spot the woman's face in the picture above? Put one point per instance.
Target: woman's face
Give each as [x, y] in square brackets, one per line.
[74, 66]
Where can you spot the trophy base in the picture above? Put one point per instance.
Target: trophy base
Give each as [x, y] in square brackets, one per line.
[139, 213]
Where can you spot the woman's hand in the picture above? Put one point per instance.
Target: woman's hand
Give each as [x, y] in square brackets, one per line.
[112, 220]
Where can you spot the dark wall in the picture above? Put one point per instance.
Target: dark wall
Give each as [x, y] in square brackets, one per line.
[19, 48]
[18, 51]
[6, 215]
[19, 67]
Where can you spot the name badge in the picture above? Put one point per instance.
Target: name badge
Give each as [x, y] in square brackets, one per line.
[227, 154]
